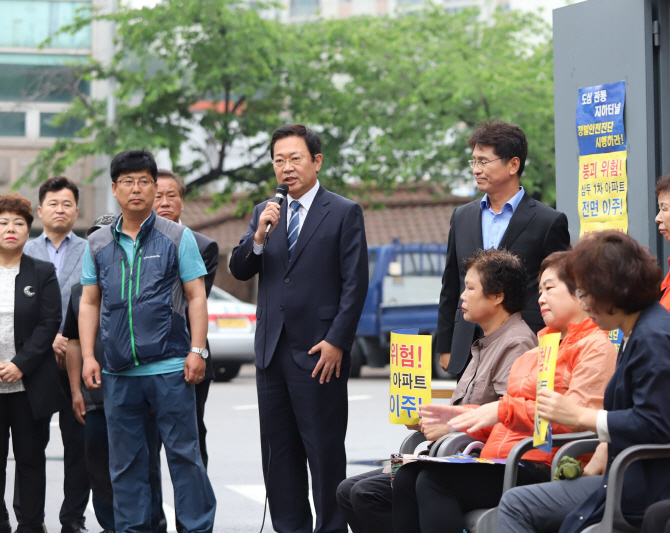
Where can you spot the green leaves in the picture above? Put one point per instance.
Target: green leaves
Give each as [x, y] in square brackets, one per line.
[393, 99]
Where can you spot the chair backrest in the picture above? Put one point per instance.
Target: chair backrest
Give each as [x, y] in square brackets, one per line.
[573, 449]
[412, 442]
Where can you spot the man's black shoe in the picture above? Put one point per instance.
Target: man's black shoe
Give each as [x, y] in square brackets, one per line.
[74, 527]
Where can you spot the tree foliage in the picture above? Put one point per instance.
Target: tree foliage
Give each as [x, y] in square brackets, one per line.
[394, 99]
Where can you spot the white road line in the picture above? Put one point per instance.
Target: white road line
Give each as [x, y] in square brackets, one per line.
[246, 407]
[257, 494]
[253, 492]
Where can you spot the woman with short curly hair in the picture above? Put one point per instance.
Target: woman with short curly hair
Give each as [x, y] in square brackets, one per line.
[30, 391]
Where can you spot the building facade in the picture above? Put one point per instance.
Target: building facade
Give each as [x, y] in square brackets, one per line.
[301, 10]
[36, 84]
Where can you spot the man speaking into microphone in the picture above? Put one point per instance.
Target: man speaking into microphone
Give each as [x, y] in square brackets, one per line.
[313, 280]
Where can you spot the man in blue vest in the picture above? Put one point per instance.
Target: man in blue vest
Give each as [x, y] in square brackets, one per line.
[140, 275]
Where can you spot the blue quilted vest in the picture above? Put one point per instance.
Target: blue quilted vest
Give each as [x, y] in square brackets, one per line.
[143, 311]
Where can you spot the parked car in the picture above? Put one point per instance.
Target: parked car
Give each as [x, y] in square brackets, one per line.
[404, 293]
[232, 327]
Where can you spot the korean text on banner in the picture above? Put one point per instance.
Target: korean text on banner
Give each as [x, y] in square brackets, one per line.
[603, 185]
[411, 360]
[603, 182]
[546, 366]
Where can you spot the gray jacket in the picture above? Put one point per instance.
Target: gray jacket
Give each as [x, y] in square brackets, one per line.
[70, 269]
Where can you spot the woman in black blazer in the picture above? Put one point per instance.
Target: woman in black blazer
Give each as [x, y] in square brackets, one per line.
[30, 391]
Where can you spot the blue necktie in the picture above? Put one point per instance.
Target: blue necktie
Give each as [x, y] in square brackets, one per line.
[293, 227]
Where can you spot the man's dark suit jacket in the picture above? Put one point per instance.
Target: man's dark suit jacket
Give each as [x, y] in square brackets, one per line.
[534, 231]
[320, 293]
[37, 318]
[209, 251]
[638, 412]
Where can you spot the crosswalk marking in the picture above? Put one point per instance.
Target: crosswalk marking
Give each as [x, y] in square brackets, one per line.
[257, 494]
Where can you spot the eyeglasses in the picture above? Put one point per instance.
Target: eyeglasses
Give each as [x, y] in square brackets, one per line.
[127, 184]
[281, 163]
[581, 297]
[481, 164]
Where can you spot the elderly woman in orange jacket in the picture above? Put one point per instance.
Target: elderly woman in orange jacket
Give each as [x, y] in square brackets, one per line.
[432, 497]
[663, 221]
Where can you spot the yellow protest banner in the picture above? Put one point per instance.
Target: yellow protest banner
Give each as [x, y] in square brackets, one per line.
[411, 365]
[546, 366]
[603, 185]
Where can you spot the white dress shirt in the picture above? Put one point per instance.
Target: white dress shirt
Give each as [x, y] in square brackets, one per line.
[306, 201]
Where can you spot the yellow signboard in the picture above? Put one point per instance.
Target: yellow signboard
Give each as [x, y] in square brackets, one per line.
[603, 184]
[411, 358]
[546, 368]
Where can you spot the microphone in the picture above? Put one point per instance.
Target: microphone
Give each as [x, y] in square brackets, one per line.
[280, 196]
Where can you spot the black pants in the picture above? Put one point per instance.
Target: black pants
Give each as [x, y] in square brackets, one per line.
[201, 393]
[302, 420]
[366, 501]
[657, 518]
[97, 461]
[29, 438]
[433, 498]
[76, 487]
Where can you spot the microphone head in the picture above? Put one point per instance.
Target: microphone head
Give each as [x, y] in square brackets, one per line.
[282, 190]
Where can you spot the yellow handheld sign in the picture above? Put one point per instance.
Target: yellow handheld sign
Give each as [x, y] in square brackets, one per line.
[411, 362]
[546, 366]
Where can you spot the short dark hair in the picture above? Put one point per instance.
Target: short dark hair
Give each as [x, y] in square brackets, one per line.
[56, 184]
[508, 141]
[663, 185]
[13, 202]
[162, 173]
[297, 130]
[556, 261]
[616, 271]
[132, 161]
[503, 272]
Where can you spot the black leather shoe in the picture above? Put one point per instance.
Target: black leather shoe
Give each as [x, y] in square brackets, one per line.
[74, 527]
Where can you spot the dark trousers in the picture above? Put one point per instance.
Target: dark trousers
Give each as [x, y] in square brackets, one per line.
[201, 393]
[657, 518]
[75, 478]
[366, 502]
[302, 421]
[76, 486]
[29, 438]
[127, 400]
[433, 498]
[97, 462]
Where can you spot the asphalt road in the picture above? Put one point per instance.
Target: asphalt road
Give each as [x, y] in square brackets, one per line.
[231, 417]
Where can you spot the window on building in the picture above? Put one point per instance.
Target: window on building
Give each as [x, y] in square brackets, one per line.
[48, 129]
[302, 8]
[12, 124]
[37, 82]
[27, 24]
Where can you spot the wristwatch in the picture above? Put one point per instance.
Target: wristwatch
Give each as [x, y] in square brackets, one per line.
[202, 352]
